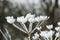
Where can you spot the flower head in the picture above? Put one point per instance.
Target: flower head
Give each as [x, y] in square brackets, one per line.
[49, 26]
[47, 34]
[57, 34]
[36, 36]
[58, 23]
[44, 34]
[57, 28]
[39, 28]
[37, 19]
[21, 19]
[29, 16]
[43, 17]
[32, 20]
[10, 19]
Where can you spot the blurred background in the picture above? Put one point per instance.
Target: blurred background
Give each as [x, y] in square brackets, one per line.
[18, 8]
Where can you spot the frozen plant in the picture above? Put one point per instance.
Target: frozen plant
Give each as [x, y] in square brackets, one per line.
[57, 29]
[49, 27]
[39, 28]
[36, 36]
[10, 19]
[58, 23]
[47, 34]
[28, 18]
[21, 19]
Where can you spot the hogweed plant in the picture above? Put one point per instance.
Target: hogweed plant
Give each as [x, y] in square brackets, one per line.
[31, 18]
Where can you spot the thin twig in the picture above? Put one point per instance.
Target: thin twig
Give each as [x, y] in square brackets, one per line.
[19, 28]
[39, 39]
[8, 34]
[3, 35]
[24, 26]
[51, 38]
[30, 27]
[36, 27]
[55, 38]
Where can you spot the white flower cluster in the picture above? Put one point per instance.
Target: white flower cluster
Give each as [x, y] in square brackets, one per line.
[57, 28]
[49, 26]
[44, 34]
[39, 28]
[36, 36]
[47, 34]
[58, 23]
[29, 17]
[10, 19]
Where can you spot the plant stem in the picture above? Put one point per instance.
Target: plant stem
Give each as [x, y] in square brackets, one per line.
[39, 39]
[47, 38]
[55, 38]
[36, 27]
[51, 38]
[29, 35]
[30, 27]
[3, 35]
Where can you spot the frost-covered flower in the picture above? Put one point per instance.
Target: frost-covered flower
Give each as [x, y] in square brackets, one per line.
[39, 28]
[10, 19]
[44, 17]
[32, 20]
[49, 26]
[57, 28]
[57, 34]
[58, 23]
[29, 15]
[36, 36]
[51, 33]
[21, 19]
[44, 34]
[37, 19]
[47, 34]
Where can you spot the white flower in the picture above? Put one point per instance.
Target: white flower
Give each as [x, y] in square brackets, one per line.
[44, 34]
[57, 28]
[37, 19]
[36, 36]
[49, 26]
[43, 18]
[57, 34]
[29, 16]
[47, 34]
[39, 28]
[32, 20]
[21, 19]
[10, 19]
[51, 33]
[58, 23]
[33, 37]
